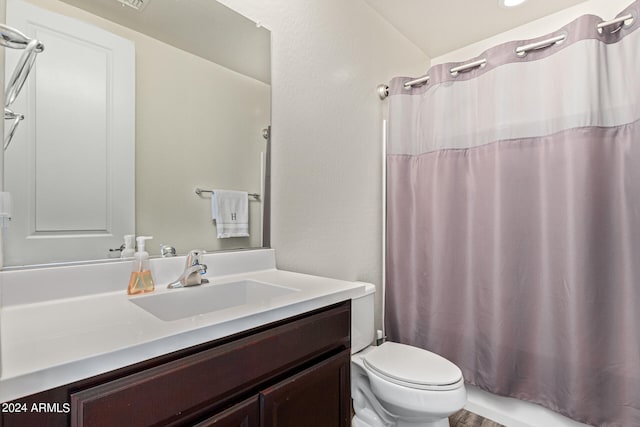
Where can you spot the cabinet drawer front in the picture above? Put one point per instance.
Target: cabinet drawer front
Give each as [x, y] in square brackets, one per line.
[200, 382]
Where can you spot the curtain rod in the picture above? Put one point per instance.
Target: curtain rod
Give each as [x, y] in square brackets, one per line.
[521, 51]
[383, 90]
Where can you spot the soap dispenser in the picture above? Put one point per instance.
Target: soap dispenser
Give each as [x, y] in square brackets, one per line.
[141, 280]
[128, 251]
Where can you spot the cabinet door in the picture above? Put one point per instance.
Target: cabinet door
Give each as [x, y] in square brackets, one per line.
[316, 397]
[244, 414]
[186, 387]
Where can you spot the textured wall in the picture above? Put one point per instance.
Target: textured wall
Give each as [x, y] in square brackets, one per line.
[328, 56]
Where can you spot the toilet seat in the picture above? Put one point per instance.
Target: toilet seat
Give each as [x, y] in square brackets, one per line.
[413, 367]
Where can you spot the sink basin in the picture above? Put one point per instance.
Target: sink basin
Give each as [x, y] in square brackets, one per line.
[186, 302]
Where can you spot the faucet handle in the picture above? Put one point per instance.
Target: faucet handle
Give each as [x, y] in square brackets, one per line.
[167, 251]
[193, 258]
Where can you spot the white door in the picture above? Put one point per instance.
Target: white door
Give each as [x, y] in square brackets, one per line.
[71, 165]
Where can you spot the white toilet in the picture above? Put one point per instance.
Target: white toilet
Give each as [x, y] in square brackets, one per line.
[396, 384]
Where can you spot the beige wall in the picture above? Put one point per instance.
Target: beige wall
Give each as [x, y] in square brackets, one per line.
[197, 124]
[328, 56]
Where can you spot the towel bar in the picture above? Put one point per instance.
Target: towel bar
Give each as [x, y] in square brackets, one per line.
[199, 192]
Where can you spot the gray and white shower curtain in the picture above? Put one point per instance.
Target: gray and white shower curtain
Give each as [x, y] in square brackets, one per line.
[513, 220]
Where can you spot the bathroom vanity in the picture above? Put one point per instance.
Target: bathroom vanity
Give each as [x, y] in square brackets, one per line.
[280, 361]
[292, 372]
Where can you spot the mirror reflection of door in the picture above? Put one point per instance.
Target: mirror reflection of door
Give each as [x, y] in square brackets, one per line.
[63, 205]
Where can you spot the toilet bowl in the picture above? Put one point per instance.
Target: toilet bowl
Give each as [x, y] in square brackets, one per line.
[396, 384]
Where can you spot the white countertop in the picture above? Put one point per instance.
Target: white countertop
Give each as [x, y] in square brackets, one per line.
[49, 343]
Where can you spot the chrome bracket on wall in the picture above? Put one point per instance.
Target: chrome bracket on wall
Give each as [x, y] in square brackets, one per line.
[14, 39]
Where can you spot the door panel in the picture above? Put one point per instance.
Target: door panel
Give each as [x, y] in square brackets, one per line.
[71, 165]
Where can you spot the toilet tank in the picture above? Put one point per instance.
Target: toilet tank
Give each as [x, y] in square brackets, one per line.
[362, 319]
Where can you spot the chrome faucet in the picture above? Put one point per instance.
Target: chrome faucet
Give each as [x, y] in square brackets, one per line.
[193, 272]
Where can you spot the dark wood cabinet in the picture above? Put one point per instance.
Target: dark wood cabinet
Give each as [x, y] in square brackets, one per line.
[243, 414]
[319, 396]
[293, 372]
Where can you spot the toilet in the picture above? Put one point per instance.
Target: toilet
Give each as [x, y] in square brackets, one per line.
[396, 384]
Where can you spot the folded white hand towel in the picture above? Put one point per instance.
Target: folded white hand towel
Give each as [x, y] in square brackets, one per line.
[230, 211]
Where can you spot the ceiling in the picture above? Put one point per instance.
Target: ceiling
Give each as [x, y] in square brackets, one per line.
[440, 26]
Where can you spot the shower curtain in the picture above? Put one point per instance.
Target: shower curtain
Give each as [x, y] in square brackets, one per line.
[513, 220]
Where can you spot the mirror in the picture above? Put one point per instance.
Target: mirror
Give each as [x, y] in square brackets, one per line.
[192, 101]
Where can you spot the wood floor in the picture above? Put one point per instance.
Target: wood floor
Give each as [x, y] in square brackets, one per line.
[465, 418]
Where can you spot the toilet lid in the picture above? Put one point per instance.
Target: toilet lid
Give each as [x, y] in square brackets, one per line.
[413, 367]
